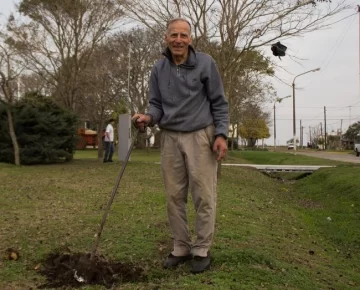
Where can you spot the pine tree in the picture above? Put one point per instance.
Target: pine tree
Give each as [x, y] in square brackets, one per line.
[45, 132]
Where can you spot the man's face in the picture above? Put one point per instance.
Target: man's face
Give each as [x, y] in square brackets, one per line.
[178, 38]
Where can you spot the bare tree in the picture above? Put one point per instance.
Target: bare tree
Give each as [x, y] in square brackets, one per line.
[145, 49]
[237, 26]
[249, 85]
[109, 87]
[99, 95]
[237, 23]
[226, 29]
[57, 39]
[32, 82]
[140, 48]
[10, 70]
[316, 137]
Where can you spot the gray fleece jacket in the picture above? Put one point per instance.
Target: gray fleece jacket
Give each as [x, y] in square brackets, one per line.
[188, 97]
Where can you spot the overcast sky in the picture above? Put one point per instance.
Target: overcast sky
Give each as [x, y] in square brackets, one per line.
[336, 85]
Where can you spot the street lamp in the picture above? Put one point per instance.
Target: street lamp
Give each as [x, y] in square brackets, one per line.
[294, 120]
[278, 100]
[129, 68]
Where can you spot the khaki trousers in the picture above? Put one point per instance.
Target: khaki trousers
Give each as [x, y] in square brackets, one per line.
[188, 163]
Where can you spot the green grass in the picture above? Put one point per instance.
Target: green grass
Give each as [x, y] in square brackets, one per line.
[336, 214]
[153, 155]
[279, 158]
[269, 234]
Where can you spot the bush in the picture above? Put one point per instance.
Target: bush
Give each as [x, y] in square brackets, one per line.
[45, 132]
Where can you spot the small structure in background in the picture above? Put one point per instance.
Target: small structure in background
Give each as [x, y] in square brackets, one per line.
[87, 137]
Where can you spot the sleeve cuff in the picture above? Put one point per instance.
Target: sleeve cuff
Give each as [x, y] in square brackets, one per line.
[151, 119]
[221, 135]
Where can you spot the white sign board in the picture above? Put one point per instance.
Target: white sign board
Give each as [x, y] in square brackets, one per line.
[124, 136]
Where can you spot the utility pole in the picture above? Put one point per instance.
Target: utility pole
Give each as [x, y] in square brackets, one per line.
[341, 126]
[321, 132]
[294, 119]
[341, 134]
[274, 128]
[359, 44]
[310, 137]
[300, 135]
[325, 127]
[350, 116]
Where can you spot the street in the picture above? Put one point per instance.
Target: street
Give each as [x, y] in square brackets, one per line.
[340, 156]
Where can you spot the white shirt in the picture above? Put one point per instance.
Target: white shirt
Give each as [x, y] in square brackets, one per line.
[110, 131]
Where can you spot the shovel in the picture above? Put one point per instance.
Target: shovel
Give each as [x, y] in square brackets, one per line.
[114, 192]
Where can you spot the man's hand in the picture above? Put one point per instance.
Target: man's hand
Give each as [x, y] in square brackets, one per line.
[220, 146]
[141, 121]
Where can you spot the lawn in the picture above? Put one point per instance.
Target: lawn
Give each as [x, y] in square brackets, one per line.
[269, 234]
[278, 158]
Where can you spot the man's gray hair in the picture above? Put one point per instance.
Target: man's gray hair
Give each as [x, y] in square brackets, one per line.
[171, 21]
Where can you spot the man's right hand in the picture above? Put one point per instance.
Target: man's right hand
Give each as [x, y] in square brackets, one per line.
[141, 121]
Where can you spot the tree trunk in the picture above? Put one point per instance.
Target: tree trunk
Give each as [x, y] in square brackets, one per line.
[100, 141]
[99, 135]
[251, 142]
[13, 136]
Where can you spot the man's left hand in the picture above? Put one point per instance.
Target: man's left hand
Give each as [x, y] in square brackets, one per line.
[220, 146]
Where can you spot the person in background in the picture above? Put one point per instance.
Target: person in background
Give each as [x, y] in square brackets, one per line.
[188, 103]
[109, 141]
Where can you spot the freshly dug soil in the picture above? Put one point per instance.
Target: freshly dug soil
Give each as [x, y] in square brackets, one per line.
[76, 270]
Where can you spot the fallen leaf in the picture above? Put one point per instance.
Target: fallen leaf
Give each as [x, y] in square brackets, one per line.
[11, 254]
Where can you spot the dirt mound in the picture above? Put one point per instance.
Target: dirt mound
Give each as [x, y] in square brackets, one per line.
[77, 269]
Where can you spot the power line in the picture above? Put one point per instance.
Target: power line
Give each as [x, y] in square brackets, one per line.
[320, 119]
[340, 116]
[320, 107]
[338, 43]
[344, 18]
[327, 60]
[337, 122]
[317, 107]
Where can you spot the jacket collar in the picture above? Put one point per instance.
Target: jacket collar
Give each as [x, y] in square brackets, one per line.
[190, 61]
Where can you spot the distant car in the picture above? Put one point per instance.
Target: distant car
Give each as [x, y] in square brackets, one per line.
[290, 146]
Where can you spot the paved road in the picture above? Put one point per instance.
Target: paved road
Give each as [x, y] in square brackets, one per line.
[345, 157]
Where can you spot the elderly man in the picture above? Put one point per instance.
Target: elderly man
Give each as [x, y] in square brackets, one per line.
[187, 101]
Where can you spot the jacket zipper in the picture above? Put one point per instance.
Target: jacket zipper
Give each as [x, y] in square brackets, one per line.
[178, 70]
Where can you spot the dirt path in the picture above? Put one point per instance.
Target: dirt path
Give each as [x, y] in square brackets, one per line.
[344, 157]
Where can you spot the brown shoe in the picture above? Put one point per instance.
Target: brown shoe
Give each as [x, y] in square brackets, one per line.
[173, 261]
